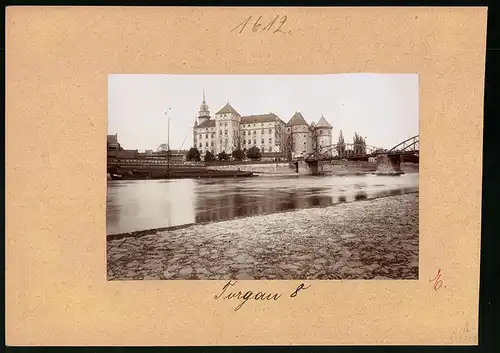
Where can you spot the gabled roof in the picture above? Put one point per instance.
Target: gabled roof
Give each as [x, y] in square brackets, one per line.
[261, 118]
[207, 123]
[322, 123]
[227, 109]
[297, 119]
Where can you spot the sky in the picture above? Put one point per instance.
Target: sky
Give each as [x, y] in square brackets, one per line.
[384, 108]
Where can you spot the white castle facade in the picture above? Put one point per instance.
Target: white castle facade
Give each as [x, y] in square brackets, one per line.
[228, 130]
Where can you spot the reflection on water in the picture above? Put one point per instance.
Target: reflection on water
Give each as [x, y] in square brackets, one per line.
[149, 204]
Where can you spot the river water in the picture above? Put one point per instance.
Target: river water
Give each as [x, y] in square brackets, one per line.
[149, 204]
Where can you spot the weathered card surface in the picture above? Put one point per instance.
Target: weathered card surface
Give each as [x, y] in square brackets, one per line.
[85, 265]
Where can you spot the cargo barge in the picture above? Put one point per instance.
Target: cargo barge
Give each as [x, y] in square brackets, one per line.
[175, 173]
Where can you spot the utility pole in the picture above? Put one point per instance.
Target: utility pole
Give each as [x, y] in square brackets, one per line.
[168, 142]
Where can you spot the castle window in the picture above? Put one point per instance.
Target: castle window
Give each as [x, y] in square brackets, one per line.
[212, 144]
[201, 144]
[220, 132]
[244, 133]
[254, 132]
[262, 141]
[199, 137]
[213, 135]
[270, 149]
[270, 131]
[225, 132]
[261, 124]
[206, 135]
[254, 142]
[253, 124]
[206, 144]
[321, 132]
[270, 140]
[262, 132]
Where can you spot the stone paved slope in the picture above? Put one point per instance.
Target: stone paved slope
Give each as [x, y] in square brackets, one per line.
[374, 239]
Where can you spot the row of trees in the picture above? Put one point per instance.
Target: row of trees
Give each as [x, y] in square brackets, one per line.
[195, 155]
[359, 145]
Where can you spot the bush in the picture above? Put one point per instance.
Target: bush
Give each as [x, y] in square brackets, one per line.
[193, 155]
[253, 153]
[238, 154]
[209, 156]
[223, 156]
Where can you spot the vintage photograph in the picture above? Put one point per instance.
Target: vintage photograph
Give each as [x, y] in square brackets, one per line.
[265, 177]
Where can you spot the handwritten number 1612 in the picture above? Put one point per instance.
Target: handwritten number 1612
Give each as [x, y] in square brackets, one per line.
[274, 26]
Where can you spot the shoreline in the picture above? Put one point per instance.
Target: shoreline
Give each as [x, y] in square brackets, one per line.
[373, 239]
[146, 232]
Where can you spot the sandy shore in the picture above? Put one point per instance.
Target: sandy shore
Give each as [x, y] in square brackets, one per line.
[374, 239]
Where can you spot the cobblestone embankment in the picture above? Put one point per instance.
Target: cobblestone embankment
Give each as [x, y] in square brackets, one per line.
[375, 239]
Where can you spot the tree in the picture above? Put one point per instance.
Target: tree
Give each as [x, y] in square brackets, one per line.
[193, 155]
[287, 141]
[238, 154]
[253, 152]
[341, 144]
[162, 148]
[209, 156]
[223, 156]
[236, 139]
[359, 145]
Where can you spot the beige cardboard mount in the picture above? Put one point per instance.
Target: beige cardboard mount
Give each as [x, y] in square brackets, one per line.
[58, 61]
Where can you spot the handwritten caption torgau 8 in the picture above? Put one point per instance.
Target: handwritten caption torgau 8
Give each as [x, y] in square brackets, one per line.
[246, 296]
[276, 25]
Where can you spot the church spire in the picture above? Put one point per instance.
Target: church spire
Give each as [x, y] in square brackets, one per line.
[204, 111]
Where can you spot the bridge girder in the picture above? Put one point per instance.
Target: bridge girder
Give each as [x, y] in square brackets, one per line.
[409, 146]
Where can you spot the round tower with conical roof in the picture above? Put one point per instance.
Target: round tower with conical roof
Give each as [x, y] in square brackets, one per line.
[323, 135]
[300, 141]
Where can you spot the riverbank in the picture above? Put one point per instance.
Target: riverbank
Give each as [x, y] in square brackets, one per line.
[374, 239]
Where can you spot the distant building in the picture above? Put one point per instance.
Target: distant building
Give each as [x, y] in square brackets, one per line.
[113, 144]
[228, 130]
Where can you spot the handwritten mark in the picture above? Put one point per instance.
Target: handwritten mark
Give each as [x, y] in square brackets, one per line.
[438, 282]
[271, 27]
[299, 288]
[244, 296]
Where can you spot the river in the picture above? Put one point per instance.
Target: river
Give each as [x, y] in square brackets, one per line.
[150, 204]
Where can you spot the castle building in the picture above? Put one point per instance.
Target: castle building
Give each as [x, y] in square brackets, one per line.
[228, 130]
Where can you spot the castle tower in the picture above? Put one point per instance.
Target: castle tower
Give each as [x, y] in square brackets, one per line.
[300, 139]
[227, 129]
[204, 113]
[323, 135]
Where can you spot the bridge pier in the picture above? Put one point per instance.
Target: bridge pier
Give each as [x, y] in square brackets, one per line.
[388, 163]
[395, 163]
[314, 168]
